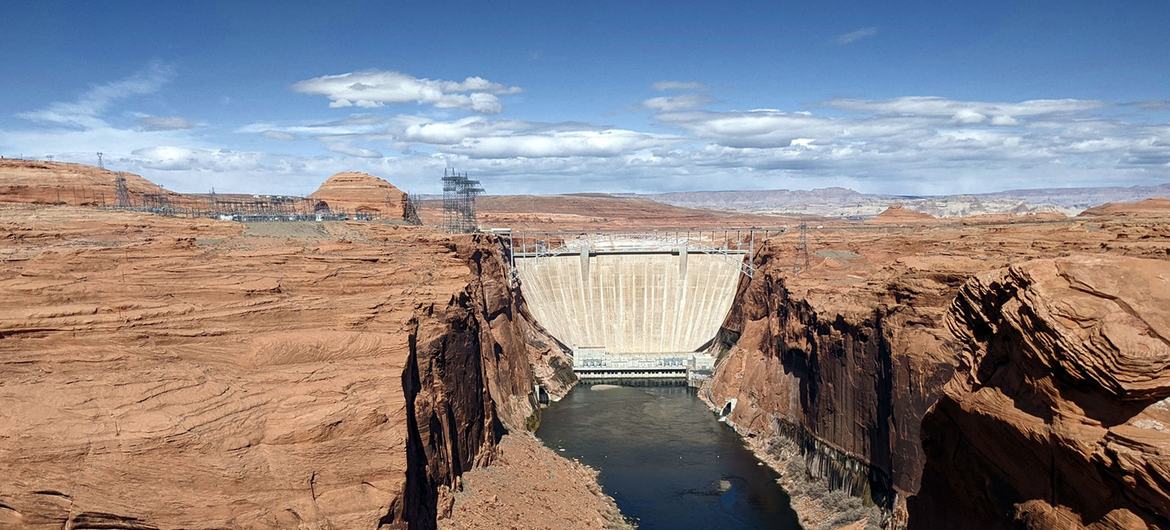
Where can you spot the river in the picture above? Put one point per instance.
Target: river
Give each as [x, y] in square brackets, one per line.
[665, 459]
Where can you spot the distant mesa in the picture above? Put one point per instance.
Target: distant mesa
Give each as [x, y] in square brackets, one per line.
[35, 182]
[898, 213]
[1152, 207]
[842, 202]
[362, 193]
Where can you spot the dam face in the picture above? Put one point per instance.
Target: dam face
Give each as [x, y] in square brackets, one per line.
[630, 303]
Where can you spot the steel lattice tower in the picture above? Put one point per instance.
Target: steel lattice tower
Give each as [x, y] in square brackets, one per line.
[802, 249]
[459, 193]
[121, 193]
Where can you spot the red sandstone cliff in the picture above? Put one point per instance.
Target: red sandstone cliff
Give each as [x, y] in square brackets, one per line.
[846, 381]
[359, 192]
[29, 181]
[162, 372]
[1152, 207]
[833, 369]
[1054, 418]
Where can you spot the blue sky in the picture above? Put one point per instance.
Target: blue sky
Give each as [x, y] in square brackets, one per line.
[899, 97]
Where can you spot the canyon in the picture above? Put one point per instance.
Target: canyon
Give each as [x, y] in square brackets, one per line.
[164, 372]
[1055, 418]
[830, 370]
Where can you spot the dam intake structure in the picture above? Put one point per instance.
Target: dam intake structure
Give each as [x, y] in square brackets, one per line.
[633, 306]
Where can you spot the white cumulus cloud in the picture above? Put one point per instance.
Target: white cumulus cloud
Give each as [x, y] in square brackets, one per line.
[177, 158]
[1001, 113]
[603, 143]
[911, 144]
[375, 88]
[673, 103]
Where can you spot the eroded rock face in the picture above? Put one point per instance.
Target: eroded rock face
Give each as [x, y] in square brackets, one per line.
[359, 192]
[847, 383]
[162, 372]
[1152, 207]
[529, 486]
[839, 363]
[1056, 417]
[29, 181]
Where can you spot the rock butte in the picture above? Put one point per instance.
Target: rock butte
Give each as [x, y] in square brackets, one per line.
[162, 372]
[900, 214]
[362, 193]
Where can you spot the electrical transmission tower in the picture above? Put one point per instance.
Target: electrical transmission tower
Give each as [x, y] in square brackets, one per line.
[802, 249]
[121, 194]
[459, 193]
[410, 209]
[100, 164]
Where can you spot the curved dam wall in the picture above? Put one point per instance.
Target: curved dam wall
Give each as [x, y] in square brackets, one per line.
[631, 302]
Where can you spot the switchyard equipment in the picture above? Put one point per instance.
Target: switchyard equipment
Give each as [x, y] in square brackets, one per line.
[459, 193]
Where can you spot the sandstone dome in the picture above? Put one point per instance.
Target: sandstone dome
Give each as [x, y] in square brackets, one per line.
[359, 192]
[33, 181]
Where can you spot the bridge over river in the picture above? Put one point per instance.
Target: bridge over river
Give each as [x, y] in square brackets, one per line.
[633, 305]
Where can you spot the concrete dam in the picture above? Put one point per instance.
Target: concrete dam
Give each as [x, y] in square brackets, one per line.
[632, 312]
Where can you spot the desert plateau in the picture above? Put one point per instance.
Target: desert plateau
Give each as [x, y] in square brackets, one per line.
[608, 265]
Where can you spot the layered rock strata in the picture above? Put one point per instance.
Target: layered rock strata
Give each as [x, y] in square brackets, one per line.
[30, 181]
[167, 373]
[842, 360]
[363, 193]
[1057, 416]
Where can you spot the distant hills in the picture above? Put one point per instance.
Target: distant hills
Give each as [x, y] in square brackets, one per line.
[844, 202]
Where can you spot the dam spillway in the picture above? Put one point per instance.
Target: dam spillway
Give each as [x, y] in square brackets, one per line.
[640, 307]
